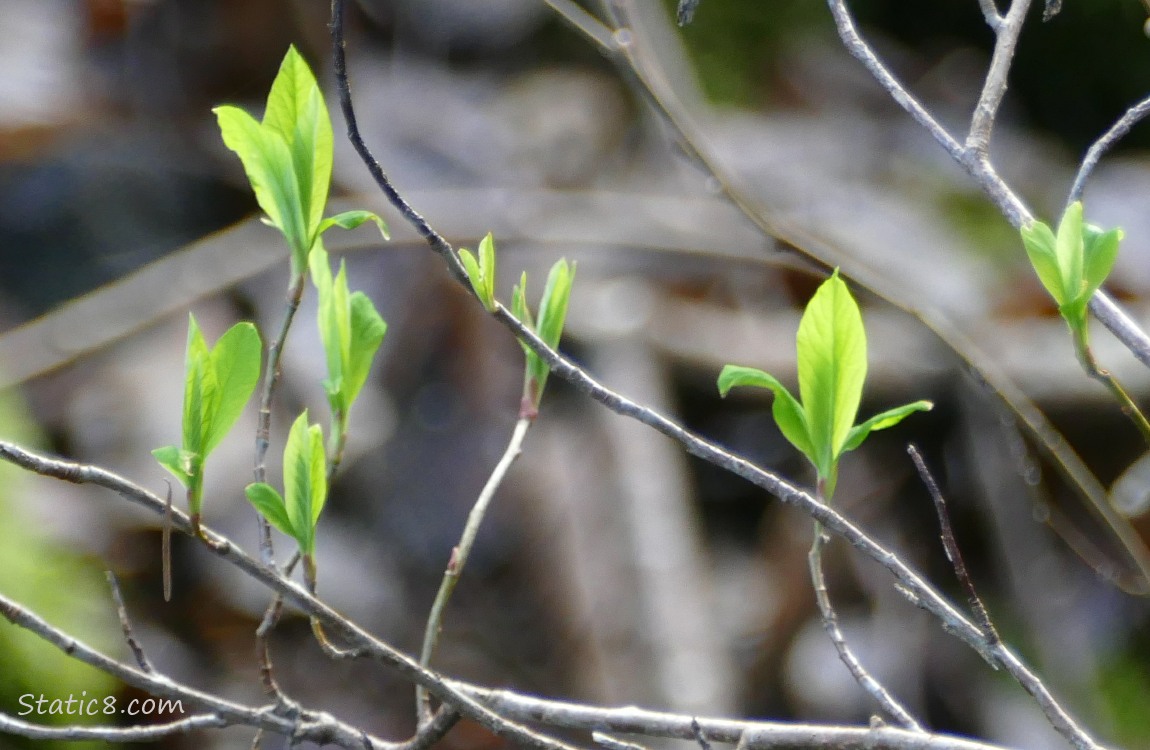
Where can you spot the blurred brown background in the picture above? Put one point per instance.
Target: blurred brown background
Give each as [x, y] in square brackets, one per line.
[613, 568]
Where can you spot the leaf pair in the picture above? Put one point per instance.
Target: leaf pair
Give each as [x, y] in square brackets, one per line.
[481, 270]
[832, 363]
[352, 331]
[217, 384]
[288, 158]
[1072, 264]
[296, 512]
[552, 315]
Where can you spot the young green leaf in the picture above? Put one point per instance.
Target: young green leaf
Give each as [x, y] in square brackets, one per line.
[475, 276]
[271, 505]
[367, 332]
[353, 219]
[831, 345]
[888, 418]
[267, 161]
[305, 480]
[217, 384]
[487, 263]
[235, 364]
[1068, 248]
[1039, 243]
[481, 270]
[173, 459]
[352, 331]
[296, 111]
[1100, 251]
[788, 412]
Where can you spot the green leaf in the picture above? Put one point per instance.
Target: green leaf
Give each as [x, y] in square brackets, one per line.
[305, 480]
[271, 506]
[353, 219]
[475, 276]
[487, 264]
[1068, 247]
[520, 310]
[787, 411]
[199, 389]
[1100, 251]
[552, 316]
[888, 418]
[235, 364]
[296, 111]
[267, 161]
[553, 306]
[367, 332]
[831, 345]
[172, 459]
[1039, 243]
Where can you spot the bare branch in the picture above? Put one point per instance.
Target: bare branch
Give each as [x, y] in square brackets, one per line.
[315, 726]
[458, 560]
[990, 13]
[1098, 149]
[866, 681]
[751, 735]
[951, 546]
[269, 577]
[149, 733]
[994, 87]
[126, 623]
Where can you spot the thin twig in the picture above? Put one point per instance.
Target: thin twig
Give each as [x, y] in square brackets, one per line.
[994, 86]
[1098, 149]
[292, 592]
[433, 731]
[990, 13]
[458, 560]
[751, 735]
[866, 681]
[316, 726]
[950, 544]
[149, 733]
[126, 623]
[611, 743]
[166, 546]
[272, 370]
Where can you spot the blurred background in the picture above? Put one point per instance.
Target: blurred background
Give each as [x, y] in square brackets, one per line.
[613, 568]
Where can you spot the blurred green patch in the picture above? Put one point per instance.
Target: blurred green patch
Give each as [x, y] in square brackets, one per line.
[58, 585]
[736, 44]
[1124, 689]
[979, 222]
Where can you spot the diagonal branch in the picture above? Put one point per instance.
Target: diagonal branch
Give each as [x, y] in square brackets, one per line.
[1105, 142]
[994, 86]
[271, 578]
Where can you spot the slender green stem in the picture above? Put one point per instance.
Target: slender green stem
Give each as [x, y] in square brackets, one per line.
[459, 559]
[264, 426]
[336, 444]
[873, 687]
[1090, 365]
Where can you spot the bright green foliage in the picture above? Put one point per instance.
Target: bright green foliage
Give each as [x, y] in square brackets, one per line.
[296, 512]
[352, 331]
[552, 315]
[288, 158]
[217, 385]
[831, 345]
[1072, 264]
[481, 271]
